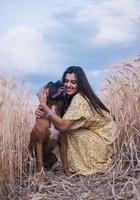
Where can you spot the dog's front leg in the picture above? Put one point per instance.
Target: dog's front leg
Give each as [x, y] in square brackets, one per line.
[39, 156]
[62, 143]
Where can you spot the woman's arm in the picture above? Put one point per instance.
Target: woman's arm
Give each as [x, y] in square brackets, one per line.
[59, 122]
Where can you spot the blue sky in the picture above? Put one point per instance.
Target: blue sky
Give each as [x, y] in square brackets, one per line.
[39, 39]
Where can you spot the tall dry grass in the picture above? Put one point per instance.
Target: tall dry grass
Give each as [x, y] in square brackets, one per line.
[122, 95]
[16, 120]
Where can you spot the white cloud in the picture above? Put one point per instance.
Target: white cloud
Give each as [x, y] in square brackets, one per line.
[23, 49]
[26, 49]
[113, 21]
[104, 23]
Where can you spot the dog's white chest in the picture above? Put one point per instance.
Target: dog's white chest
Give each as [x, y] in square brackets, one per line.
[54, 132]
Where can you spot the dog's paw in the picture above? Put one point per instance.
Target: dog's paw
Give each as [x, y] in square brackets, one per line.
[41, 175]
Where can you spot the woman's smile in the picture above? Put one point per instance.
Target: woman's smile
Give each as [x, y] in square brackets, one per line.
[70, 83]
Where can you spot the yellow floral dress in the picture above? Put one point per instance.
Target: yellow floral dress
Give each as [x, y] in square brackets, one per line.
[89, 138]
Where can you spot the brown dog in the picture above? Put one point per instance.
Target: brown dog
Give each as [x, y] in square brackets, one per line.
[44, 136]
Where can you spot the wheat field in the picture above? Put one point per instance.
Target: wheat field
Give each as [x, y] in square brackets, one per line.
[121, 94]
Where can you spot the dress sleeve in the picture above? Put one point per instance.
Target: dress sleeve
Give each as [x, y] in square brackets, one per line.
[79, 111]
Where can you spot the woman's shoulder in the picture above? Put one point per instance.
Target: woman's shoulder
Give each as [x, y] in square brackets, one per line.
[78, 108]
[79, 97]
[81, 102]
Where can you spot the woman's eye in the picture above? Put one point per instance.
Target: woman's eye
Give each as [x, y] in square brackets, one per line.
[73, 82]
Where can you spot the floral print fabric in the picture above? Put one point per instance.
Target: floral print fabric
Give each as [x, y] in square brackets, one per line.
[89, 138]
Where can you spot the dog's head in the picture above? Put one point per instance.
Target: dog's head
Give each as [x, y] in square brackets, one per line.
[56, 91]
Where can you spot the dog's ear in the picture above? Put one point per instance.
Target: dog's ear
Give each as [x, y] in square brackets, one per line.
[56, 90]
[59, 83]
[49, 84]
[60, 94]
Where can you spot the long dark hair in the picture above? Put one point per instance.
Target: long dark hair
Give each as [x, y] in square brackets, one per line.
[85, 89]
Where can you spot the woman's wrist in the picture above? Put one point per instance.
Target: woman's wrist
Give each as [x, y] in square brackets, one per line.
[45, 107]
[49, 113]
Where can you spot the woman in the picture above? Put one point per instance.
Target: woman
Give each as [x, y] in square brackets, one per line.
[87, 123]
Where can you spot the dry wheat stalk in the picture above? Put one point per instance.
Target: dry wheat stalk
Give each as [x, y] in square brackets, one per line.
[17, 116]
[122, 95]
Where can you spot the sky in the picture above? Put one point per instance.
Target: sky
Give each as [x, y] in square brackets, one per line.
[39, 39]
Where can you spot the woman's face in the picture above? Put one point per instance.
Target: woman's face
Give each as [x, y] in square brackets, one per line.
[70, 83]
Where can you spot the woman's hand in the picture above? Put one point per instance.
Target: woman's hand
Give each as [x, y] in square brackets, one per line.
[42, 96]
[39, 113]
